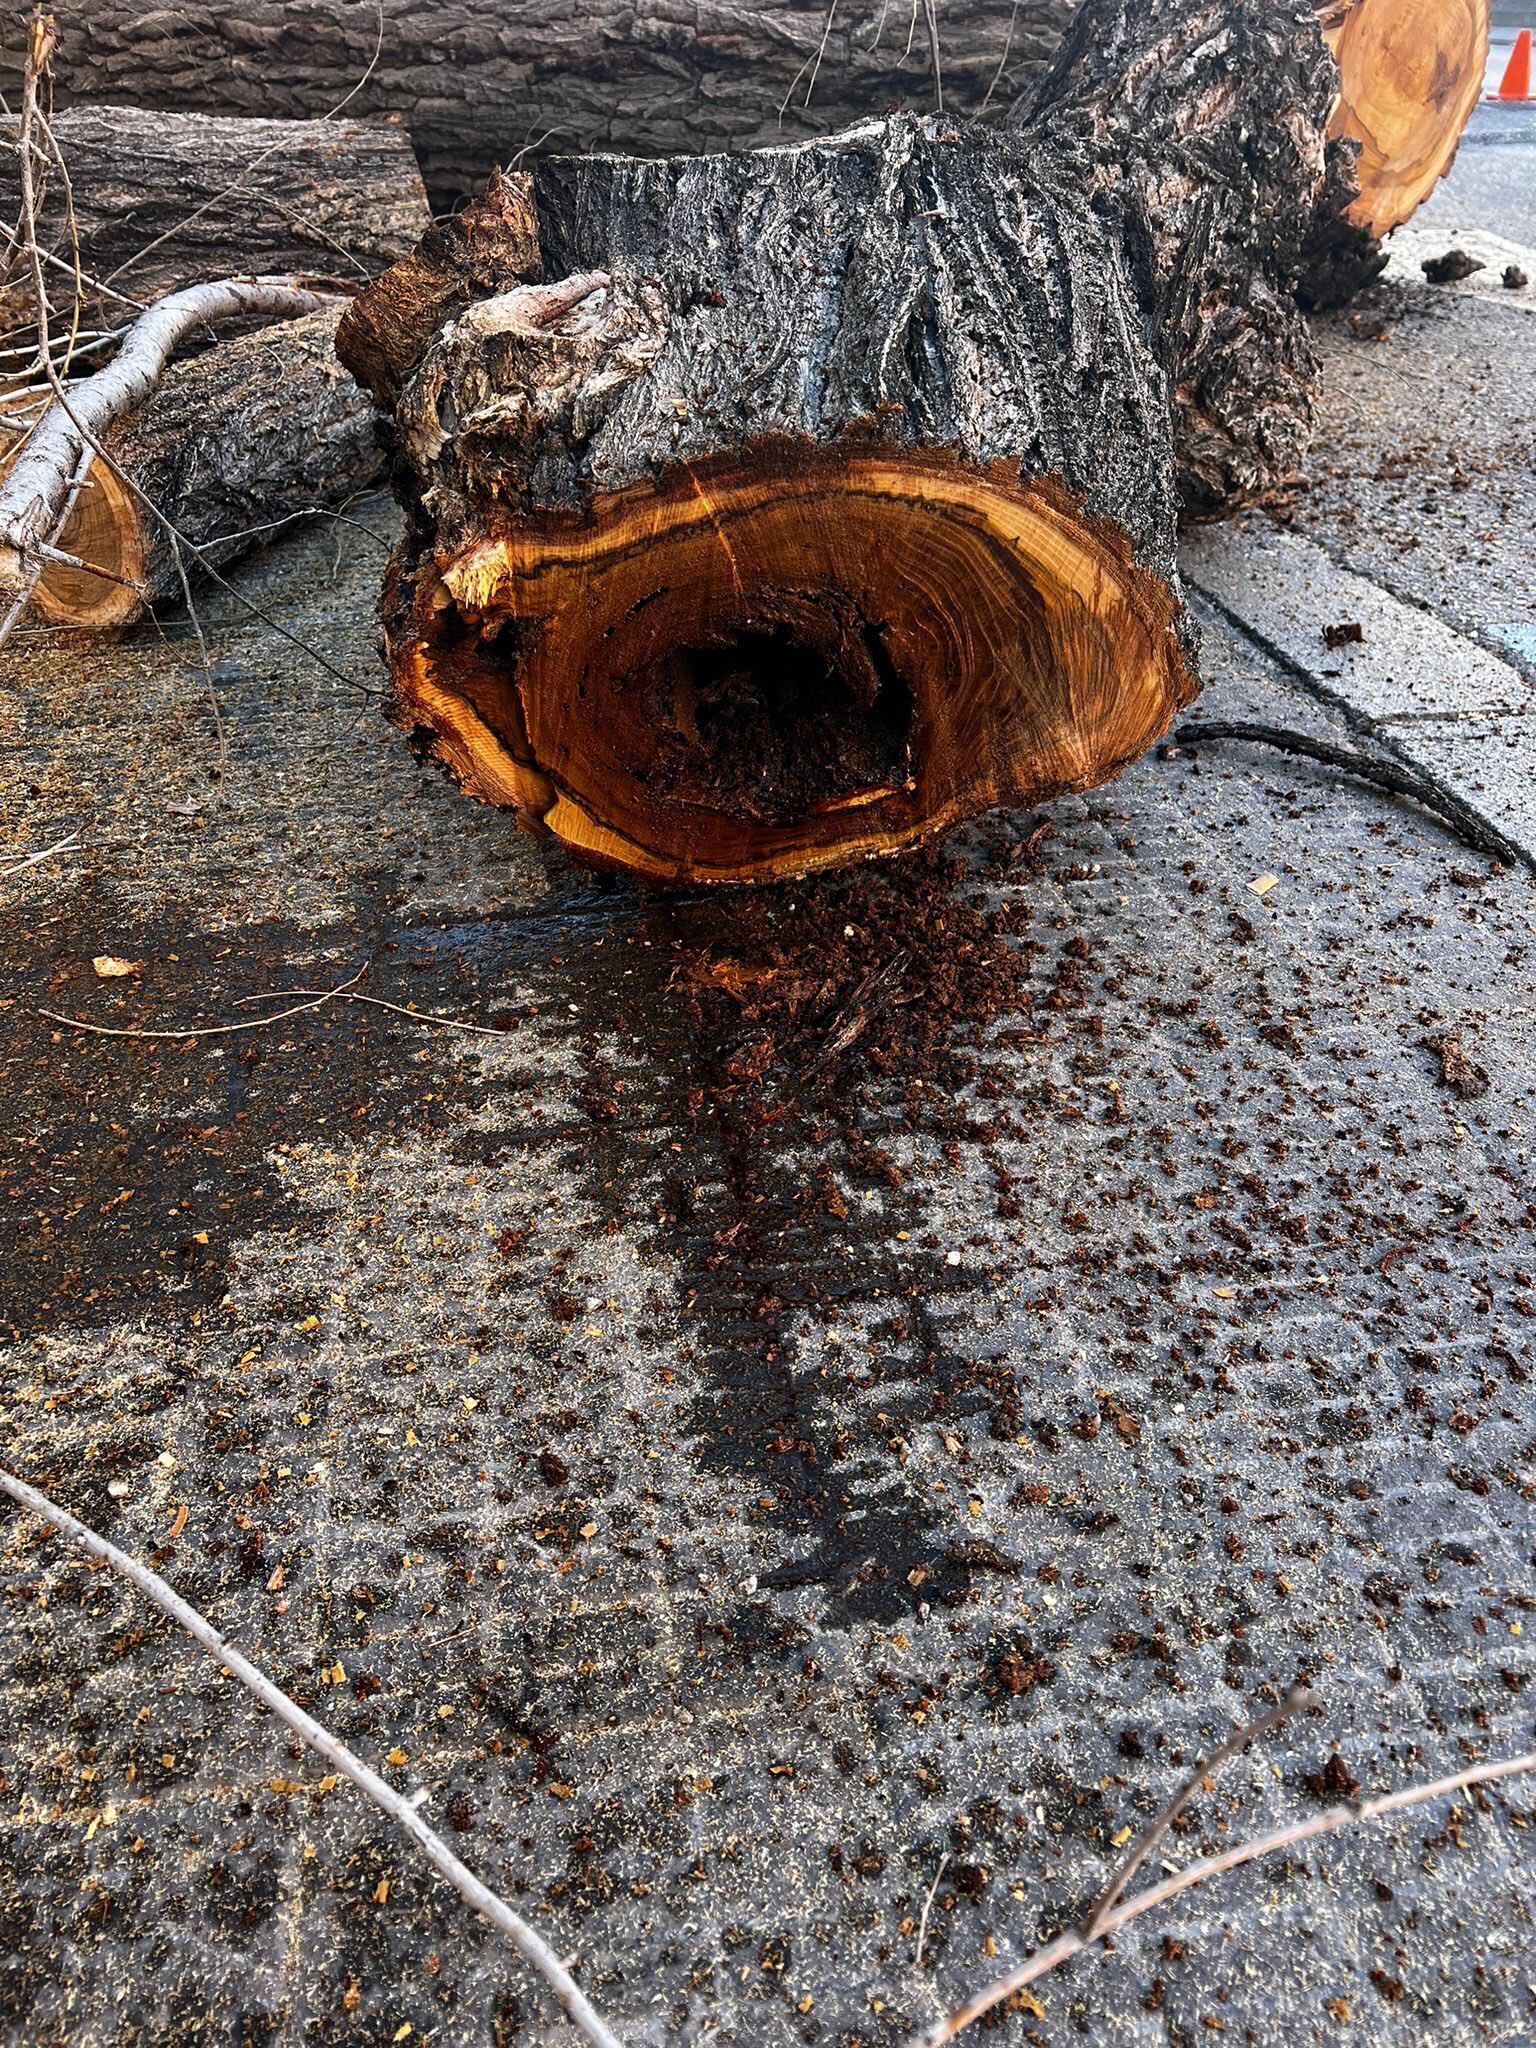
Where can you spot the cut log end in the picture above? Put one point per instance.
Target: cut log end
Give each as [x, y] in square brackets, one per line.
[105, 529]
[788, 658]
[1410, 72]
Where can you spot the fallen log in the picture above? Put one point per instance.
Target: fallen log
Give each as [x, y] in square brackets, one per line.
[568, 75]
[258, 429]
[1410, 72]
[829, 495]
[573, 76]
[155, 202]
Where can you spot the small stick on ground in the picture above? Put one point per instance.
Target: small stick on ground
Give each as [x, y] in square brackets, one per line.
[1293, 1702]
[1395, 777]
[529, 1944]
[1072, 1943]
[314, 999]
[30, 860]
[922, 1923]
[320, 997]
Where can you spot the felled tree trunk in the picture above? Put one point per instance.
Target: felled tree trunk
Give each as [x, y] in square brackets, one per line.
[161, 201]
[829, 494]
[228, 446]
[480, 88]
[1410, 72]
[644, 77]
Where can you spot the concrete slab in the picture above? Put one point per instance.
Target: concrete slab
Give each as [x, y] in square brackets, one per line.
[1289, 591]
[1490, 762]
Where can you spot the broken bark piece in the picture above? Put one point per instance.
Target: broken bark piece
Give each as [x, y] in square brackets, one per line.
[255, 430]
[489, 246]
[162, 201]
[1458, 1070]
[829, 496]
[1450, 268]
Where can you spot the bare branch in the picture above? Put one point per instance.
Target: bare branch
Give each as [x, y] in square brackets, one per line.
[1293, 1702]
[528, 1943]
[35, 493]
[1065, 1946]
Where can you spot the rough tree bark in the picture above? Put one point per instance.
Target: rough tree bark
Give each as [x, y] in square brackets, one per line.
[644, 77]
[162, 201]
[829, 495]
[478, 87]
[257, 429]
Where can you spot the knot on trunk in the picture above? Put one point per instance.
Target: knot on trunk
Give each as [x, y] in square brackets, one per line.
[540, 362]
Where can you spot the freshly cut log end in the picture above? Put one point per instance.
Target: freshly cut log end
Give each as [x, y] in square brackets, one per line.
[788, 658]
[106, 529]
[1410, 72]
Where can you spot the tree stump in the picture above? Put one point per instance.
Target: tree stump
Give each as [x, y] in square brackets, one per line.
[829, 494]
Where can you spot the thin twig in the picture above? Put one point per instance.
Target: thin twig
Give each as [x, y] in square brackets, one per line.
[529, 1944]
[31, 860]
[933, 53]
[1395, 777]
[1294, 1701]
[922, 1918]
[221, 770]
[320, 997]
[428, 1017]
[1065, 1946]
[1002, 62]
[344, 992]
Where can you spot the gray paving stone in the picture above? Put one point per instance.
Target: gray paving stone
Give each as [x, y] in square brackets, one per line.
[1491, 763]
[1286, 589]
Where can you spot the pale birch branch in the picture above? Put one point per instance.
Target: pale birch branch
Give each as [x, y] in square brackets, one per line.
[1065, 1946]
[34, 495]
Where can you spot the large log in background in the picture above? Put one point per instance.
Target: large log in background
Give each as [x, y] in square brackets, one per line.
[829, 493]
[482, 86]
[164, 201]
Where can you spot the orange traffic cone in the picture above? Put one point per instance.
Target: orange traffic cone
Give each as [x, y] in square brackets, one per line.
[1516, 82]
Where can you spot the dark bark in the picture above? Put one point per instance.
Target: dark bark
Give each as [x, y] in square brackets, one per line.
[1205, 124]
[254, 430]
[830, 493]
[165, 201]
[479, 87]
